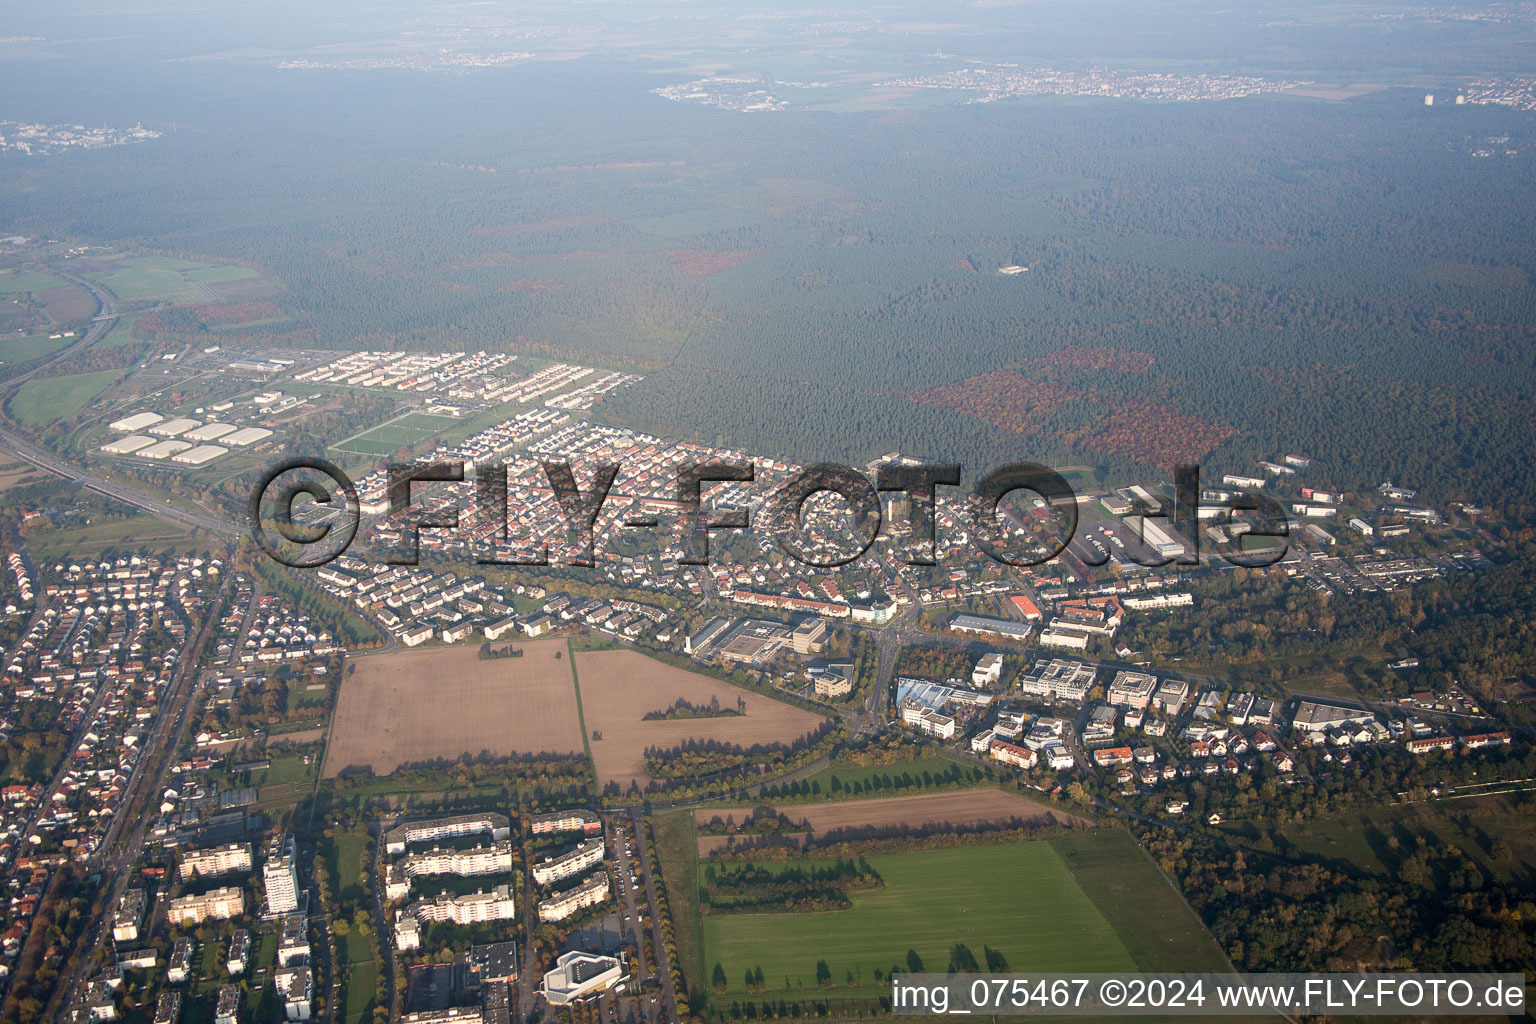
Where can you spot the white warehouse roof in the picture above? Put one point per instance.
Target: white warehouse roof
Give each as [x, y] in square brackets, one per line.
[247, 435]
[201, 454]
[138, 421]
[124, 445]
[171, 428]
[209, 431]
[163, 450]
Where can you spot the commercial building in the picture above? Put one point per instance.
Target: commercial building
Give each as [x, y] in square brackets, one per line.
[1132, 690]
[809, 636]
[202, 454]
[246, 436]
[1317, 717]
[926, 720]
[127, 445]
[577, 975]
[138, 421]
[983, 625]
[163, 450]
[988, 670]
[209, 432]
[1061, 681]
[1171, 696]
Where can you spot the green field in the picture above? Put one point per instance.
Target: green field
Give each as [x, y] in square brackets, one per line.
[131, 534]
[160, 278]
[50, 399]
[386, 438]
[1151, 919]
[17, 280]
[120, 334]
[360, 978]
[1019, 899]
[24, 350]
[1496, 832]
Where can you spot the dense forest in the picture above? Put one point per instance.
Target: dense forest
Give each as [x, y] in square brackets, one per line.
[1215, 280]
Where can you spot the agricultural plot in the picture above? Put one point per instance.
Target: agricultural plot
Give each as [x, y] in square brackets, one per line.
[410, 707]
[922, 812]
[402, 432]
[1018, 899]
[618, 688]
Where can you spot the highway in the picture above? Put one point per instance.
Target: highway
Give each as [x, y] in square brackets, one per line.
[43, 459]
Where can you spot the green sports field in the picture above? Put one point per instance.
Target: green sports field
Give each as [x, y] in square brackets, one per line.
[387, 438]
[1019, 899]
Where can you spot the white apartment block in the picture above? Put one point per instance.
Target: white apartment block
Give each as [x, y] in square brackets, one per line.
[571, 864]
[219, 860]
[217, 905]
[563, 905]
[281, 878]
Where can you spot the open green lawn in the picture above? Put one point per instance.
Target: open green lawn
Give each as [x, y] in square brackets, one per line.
[24, 350]
[1149, 916]
[344, 851]
[1019, 899]
[50, 399]
[17, 280]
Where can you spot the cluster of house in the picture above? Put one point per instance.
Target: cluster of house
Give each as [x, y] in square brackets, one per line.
[23, 585]
[417, 605]
[263, 630]
[489, 858]
[459, 375]
[97, 658]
